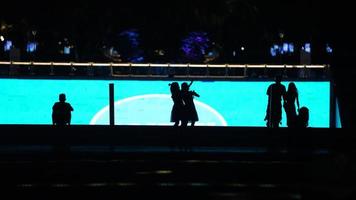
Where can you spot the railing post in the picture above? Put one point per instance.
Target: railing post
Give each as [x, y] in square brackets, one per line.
[306, 72]
[170, 71]
[111, 70]
[327, 71]
[207, 70]
[51, 73]
[14, 69]
[90, 70]
[130, 69]
[111, 105]
[149, 71]
[265, 72]
[188, 72]
[72, 69]
[31, 68]
[285, 71]
[245, 71]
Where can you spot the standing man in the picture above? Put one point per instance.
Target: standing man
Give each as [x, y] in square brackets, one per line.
[61, 112]
[275, 93]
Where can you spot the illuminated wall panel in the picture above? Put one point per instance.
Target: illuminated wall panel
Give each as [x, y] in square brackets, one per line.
[148, 102]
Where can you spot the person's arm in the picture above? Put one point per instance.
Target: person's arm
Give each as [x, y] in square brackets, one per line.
[69, 114]
[191, 82]
[284, 94]
[195, 94]
[69, 107]
[297, 101]
[53, 120]
[269, 90]
[53, 115]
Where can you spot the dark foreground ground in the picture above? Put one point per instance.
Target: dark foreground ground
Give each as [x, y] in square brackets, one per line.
[99, 162]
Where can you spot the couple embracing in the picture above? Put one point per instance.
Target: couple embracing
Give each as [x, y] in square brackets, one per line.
[183, 110]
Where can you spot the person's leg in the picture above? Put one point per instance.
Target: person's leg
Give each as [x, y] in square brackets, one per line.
[275, 124]
[268, 124]
[184, 123]
[192, 123]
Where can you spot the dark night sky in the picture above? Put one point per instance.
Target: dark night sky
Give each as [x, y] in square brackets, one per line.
[240, 20]
[297, 16]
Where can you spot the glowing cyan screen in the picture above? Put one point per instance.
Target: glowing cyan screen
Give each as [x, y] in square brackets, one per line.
[148, 102]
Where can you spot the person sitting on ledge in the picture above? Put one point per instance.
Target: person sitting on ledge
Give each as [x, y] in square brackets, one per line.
[61, 112]
[302, 118]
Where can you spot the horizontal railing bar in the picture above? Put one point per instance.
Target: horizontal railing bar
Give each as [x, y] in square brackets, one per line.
[65, 64]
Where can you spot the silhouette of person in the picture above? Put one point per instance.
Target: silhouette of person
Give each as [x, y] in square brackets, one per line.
[291, 97]
[61, 112]
[275, 92]
[190, 113]
[177, 109]
[302, 118]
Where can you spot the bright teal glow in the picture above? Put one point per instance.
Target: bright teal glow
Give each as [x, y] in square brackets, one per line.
[148, 102]
[337, 113]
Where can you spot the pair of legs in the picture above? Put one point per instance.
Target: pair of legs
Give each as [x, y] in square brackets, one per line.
[184, 123]
[273, 117]
[273, 124]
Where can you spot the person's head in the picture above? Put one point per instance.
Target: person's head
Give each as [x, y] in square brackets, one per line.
[292, 88]
[278, 79]
[185, 86]
[62, 97]
[304, 116]
[174, 87]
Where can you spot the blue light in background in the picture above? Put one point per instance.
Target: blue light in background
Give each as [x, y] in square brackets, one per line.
[128, 46]
[291, 48]
[7, 45]
[273, 52]
[195, 45]
[329, 49]
[285, 47]
[307, 47]
[282, 49]
[66, 50]
[148, 102]
[31, 47]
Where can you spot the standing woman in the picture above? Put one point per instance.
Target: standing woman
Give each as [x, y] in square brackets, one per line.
[190, 113]
[291, 97]
[177, 109]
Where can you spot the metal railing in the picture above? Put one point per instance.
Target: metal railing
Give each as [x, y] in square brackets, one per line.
[91, 65]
